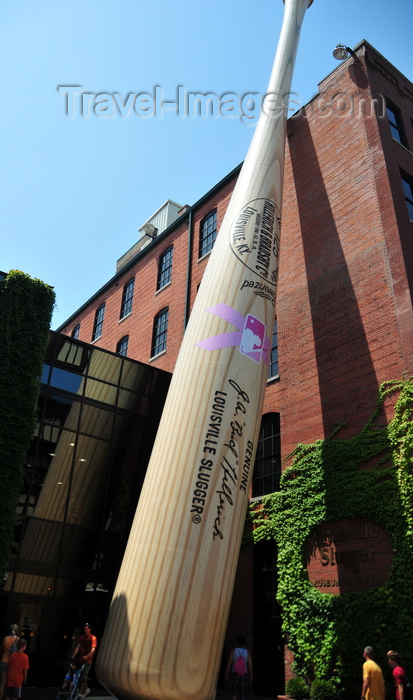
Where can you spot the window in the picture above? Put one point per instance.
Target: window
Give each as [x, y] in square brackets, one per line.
[407, 183]
[165, 268]
[267, 468]
[208, 233]
[395, 122]
[76, 331]
[98, 325]
[127, 298]
[273, 368]
[160, 331]
[122, 346]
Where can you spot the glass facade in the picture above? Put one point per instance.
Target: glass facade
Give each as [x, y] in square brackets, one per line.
[98, 415]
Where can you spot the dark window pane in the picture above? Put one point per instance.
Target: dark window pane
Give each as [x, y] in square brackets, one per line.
[66, 351]
[96, 421]
[100, 391]
[122, 346]
[267, 467]
[407, 188]
[273, 368]
[160, 332]
[208, 233]
[395, 122]
[56, 409]
[105, 365]
[98, 325]
[165, 268]
[407, 184]
[64, 379]
[127, 298]
[45, 374]
[135, 376]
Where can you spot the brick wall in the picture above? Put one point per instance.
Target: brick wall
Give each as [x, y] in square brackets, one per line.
[344, 305]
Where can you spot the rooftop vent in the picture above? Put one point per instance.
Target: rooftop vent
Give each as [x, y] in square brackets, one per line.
[153, 227]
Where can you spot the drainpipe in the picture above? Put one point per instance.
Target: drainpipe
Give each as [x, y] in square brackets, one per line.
[188, 270]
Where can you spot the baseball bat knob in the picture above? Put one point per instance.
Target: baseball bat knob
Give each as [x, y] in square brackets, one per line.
[310, 2]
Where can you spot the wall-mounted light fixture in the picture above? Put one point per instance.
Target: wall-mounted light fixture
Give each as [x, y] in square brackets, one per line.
[342, 52]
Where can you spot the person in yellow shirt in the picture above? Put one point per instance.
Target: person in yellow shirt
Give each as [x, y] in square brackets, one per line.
[373, 683]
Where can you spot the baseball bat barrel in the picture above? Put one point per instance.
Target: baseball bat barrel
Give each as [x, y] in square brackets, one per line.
[167, 621]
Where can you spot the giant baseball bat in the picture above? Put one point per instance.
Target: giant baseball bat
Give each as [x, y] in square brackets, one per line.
[166, 626]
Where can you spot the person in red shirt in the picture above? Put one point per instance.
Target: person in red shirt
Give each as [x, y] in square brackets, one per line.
[83, 656]
[399, 674]
[17, 669]
[6, 647]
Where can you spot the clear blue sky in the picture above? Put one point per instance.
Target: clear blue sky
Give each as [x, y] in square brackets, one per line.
[74, 191]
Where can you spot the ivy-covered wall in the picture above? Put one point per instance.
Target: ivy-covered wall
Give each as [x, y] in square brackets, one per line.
[26, 306]
[368, 476]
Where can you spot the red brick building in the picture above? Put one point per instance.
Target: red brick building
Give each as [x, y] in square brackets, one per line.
[344, 306]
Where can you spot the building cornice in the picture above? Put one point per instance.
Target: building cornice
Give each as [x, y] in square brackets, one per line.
[156, 241]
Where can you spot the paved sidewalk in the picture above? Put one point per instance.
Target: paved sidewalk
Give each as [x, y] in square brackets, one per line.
[29, 693]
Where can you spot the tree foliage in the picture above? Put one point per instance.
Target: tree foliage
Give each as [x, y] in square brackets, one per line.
[26, 306]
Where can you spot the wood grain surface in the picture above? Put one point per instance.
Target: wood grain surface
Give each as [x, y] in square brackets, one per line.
[167, 621]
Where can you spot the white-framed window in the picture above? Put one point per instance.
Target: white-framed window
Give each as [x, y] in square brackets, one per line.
[122, 346]
[160, 332]
[98, 324]
[165, 268]
[127, 298]
[208, 233]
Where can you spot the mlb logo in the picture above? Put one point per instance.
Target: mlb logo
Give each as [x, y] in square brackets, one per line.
[252, 339]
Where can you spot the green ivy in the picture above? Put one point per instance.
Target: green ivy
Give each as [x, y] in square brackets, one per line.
[26, 306]
[325, 482]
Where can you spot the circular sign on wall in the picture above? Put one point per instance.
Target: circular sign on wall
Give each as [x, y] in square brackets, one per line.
[349, 555]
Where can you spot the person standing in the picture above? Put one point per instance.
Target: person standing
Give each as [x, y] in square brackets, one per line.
[83, 656]
[6, 647]
[373, 683]
[17, 670]
[399, 674]
[239, 669]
